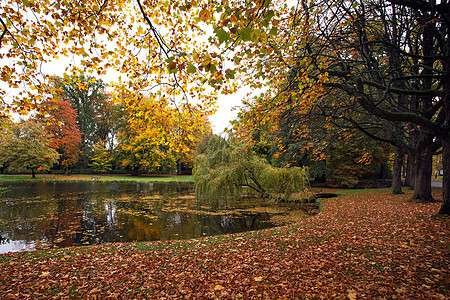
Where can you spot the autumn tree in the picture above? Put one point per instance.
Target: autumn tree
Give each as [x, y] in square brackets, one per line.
[188, 129]
[26, 146]
[159, 137]
[144, 143]
[60, 124]
[102, 159]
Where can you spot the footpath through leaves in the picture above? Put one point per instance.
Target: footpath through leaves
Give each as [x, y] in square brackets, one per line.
[364, 245]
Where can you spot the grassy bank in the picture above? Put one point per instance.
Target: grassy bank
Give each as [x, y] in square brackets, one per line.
[106, 178]
[364, 245]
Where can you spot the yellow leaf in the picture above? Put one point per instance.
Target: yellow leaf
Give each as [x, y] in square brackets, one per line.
[204, 15]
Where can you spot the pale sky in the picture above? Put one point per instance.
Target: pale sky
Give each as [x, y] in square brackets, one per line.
[227, 111]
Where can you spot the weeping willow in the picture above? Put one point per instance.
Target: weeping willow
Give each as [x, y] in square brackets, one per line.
[227, 167]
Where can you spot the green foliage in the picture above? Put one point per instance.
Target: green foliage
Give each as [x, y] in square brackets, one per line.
[25, 146]
[227, 166]
[283, 182]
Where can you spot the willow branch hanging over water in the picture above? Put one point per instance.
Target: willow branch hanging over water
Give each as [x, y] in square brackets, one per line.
[227, 166]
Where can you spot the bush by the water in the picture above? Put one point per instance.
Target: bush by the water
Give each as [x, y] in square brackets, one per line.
[227, 166]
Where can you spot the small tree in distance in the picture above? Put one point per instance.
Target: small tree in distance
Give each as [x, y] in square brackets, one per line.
[102, 160]
[26, 146]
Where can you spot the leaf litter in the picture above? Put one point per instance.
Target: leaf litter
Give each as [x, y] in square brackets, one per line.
[363, 245]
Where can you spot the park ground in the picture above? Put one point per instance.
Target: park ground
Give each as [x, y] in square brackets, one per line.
[365, 244]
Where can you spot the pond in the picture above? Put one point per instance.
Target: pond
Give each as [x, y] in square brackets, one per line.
[43, 215]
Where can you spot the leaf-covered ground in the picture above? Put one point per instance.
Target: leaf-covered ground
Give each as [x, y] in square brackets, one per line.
[364, 245]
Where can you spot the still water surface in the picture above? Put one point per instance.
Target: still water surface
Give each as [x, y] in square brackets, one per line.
[52, 215]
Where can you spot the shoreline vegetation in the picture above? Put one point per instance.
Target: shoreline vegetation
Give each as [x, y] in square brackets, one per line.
[364, 244]
[98, 177]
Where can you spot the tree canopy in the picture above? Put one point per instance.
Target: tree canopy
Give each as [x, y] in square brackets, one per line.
[26, 146]
[60, 125]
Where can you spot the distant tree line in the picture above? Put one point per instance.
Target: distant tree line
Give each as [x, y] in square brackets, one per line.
[82, 130]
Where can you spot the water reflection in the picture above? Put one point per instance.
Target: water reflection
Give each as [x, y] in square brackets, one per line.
[49, 215]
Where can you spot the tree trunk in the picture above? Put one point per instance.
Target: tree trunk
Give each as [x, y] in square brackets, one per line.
[397, 172]
[383, 173]
[445, 208]
[425, 151]
[66, 172]
[135, 171]
[33, 174]
[408, 172]
[445, 139]
[413, 170]
[424, 168]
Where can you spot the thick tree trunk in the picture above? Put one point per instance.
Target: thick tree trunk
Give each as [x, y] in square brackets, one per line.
[397, 172]
[445, 208]
[445, 139]
[424, 165]
[33, 174]
[66, 172]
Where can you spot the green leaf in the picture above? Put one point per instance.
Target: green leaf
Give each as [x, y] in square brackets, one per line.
[191, 69]
[269, 15]
[246, 34]
[230, 74]
[212, 68]
[273, 30]
[222, 35]
[170, 59]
